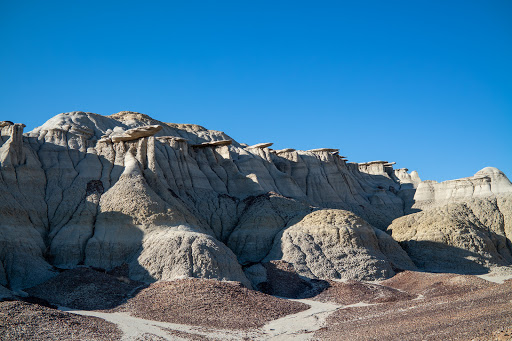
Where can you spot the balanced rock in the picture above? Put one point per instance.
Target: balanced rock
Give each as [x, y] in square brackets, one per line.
[213, 144]
[136, 133]
[261, 145]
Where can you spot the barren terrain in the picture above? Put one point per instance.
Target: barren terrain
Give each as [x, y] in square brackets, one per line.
[409, 306]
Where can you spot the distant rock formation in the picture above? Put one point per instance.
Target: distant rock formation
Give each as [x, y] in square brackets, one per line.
[487, 182]
[261, 145]
[178, 200]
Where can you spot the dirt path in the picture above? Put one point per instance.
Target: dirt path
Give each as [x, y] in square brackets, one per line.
[135, 328]
[300, 326]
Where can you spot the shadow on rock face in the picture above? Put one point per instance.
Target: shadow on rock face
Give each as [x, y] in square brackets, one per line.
[439, 257]
[283, 281]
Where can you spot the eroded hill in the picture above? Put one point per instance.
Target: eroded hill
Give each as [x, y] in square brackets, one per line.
[177, 200]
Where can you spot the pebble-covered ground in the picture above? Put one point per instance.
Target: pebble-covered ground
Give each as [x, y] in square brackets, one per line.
[447, 307]
[86, 289]
[208, 303]
[26, 321]
[409, 306]
[352, 292]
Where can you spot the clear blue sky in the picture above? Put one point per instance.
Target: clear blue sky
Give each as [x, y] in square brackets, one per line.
[427, 84]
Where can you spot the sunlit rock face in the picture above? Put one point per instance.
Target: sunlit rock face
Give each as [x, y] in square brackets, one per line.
[178, 200]
[488, 182]
[461, 226]
[463, 236]
[340, 245]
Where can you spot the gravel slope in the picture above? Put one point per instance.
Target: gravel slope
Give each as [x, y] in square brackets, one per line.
[26, 321]
[448, 307]
[208, 303]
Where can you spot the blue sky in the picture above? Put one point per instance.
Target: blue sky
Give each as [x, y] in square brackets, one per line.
[427, 84]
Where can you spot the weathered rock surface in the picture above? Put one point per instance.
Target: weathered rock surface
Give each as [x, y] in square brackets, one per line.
[261, 145]
[135, 133]
[5, 293]
[338, 244]
[470, 236]
[281, 279]
[487, 182]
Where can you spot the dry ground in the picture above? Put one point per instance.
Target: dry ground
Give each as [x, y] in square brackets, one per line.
[209, 303]
[26, 321]
[86, 289]
[447, 307]
[352, 292]
[409, 306]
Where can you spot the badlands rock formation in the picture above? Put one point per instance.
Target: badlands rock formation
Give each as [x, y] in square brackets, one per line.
[338, 244]
[178, 200]
[465, 225]
[489, 182]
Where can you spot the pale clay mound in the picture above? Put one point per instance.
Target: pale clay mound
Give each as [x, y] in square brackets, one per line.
[338, 244]
[178, 200]
[462, 237]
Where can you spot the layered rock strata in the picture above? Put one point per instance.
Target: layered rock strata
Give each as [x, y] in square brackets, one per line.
[178, 200]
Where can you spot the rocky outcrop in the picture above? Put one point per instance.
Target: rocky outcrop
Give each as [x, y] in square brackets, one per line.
[5, 294]
[471, 236]
[487, 182]
[261, 145]
[258, 226]
[23, 213]
[286, 150]
[213, 144]
[338, 244]
[135, 133]
[328, 150]
[407, 180]
[161, 239]
[382, 168]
